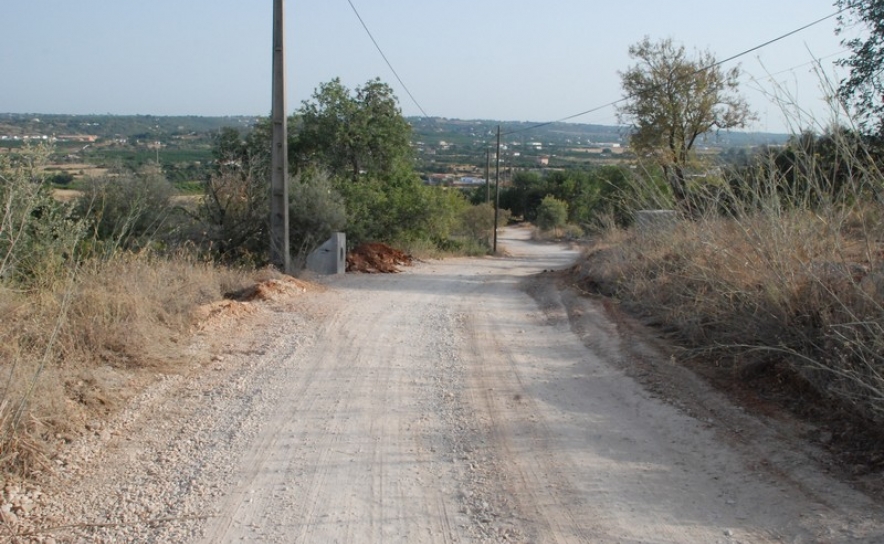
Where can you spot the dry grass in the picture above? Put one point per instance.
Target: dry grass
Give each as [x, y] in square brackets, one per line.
[70, 353]
[799, 285]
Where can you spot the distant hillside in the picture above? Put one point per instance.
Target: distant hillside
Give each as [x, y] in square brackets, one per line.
[432, 130]
[110, 126]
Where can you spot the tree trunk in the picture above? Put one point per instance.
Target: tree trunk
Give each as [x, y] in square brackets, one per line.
[678, 183]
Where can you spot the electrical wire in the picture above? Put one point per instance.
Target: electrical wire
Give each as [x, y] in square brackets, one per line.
[816, 61]
[698, 71]
[390, 65]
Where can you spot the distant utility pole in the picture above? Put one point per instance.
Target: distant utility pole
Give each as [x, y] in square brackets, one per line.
[496, 189]
[487, 174]
[279, 197]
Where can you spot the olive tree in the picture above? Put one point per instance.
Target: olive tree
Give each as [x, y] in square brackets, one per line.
[671, 99]
[552, 214]
[127, 209]
[316, 210]
[352, 134]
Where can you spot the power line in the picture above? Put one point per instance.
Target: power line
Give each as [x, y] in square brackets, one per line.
[770, 77]
[378, 47]
[699, 70]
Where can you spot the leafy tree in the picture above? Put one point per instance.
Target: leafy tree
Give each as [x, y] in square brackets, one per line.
[863, 89]
[352, 134]
[61, 178]
[608, 191]
[350, 148]
[523, 198]
[589, 193]
[671, 100]
[552, 213]
[236, 211]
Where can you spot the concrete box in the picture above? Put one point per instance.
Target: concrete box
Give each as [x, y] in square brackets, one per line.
[331, 257]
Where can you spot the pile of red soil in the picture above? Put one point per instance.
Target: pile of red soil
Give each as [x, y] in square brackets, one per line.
[376, 258]
[269, 289]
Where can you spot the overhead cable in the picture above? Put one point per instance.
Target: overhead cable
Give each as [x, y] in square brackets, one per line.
[378, 47]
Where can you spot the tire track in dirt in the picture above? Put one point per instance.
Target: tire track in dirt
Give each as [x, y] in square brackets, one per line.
[529, 479]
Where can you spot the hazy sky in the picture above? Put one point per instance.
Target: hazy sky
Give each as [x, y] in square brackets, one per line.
[490, 59]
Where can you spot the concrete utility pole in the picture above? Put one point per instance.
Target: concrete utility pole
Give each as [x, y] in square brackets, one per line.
[496, 188]
[279, 195]
[487, 174]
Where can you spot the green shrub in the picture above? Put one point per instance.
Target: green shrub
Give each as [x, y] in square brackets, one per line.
[38, 235]
[316, 210]
[399, 210]
[477, 223]
[552, 214]
[125, 209]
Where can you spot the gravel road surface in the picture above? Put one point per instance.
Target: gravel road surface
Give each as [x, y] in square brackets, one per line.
[464, 400]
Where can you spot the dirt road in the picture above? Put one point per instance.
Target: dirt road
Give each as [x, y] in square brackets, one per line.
[455, 402]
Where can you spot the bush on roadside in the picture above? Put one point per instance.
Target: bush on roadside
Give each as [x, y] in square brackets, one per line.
[477, 223]
[127, 210]
[316, 210]
[38, 235]
[552, 214]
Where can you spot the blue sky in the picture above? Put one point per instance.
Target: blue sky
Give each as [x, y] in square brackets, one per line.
[490, 59]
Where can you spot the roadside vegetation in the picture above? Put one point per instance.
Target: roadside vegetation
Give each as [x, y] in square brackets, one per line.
[776, 273]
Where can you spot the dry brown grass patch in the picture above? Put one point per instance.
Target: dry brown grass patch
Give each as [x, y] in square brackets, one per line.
[804, 287]
[119, 323]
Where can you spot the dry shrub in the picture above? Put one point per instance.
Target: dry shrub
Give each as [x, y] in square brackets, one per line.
[72, 352]
[768, 283]
[128, 309]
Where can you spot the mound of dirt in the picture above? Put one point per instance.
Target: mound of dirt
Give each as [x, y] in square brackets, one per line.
[241, 303]
[213, 315]
[269, 290]
[377, 258]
